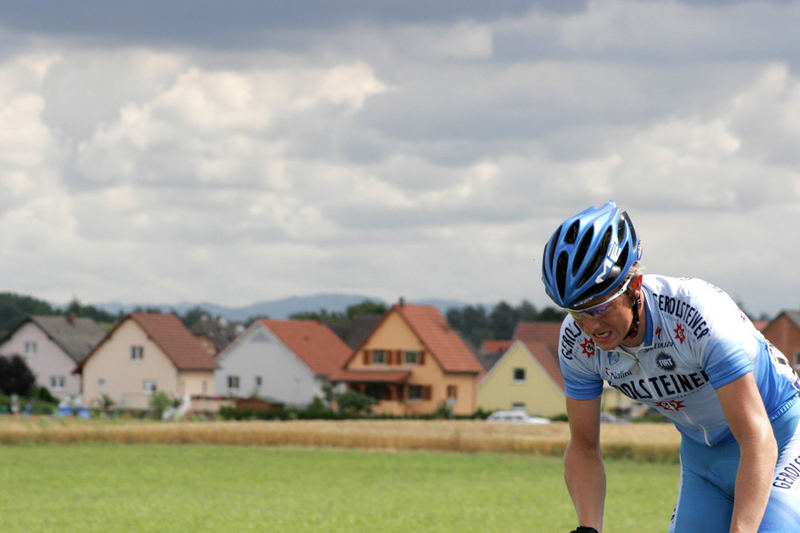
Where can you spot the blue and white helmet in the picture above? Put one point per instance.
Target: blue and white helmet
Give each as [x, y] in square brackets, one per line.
[589, 255]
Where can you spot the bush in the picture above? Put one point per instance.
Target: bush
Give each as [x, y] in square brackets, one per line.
[355, 402]
[43, 395]
[159, 402]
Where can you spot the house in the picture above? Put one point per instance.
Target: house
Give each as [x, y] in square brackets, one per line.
[284, 361]
[525, 377]
[52, 347]
[412, 362]
[491, 351]
[143, 353]
[784, 333]
[548, 333]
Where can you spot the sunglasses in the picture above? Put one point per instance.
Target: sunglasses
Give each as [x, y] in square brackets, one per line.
[598, 310]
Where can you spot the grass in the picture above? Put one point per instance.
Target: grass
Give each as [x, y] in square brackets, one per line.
[155, 488]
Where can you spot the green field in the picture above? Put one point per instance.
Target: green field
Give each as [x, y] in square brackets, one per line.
[200, 488]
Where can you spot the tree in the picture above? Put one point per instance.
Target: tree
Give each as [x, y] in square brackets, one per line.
[14, 309]
[367, 307]
[16, 377]
[193, 315]
[502, 320]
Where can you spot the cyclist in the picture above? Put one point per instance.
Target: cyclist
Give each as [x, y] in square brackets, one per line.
[683, 347]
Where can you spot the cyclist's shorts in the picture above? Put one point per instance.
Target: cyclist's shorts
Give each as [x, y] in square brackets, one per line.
[708, 478]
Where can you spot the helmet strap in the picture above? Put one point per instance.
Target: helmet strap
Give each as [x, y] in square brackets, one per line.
[634, 330]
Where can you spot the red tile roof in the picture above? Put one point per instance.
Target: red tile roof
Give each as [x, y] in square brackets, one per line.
[541, 339]
[546, 332]
[316, 344]
[495, 346]
[173, 338]
[439, 338]
[184, 349]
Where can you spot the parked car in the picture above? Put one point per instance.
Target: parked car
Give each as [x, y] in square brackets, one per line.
[520, 417]
[609, 418]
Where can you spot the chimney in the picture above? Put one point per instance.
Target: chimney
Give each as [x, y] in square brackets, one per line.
[401, 302]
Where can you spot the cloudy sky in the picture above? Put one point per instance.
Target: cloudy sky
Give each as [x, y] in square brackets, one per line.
[236, 152]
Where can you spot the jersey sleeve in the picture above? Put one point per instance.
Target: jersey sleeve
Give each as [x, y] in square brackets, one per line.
[581, 385]
[581, 381]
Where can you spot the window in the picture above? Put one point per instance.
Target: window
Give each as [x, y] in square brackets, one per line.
[233, 382]
[412, 357]
[518, 406]
[379, 356]
[258, 381]
[137, 354]
[415, 392]
[101, 384]
[149, 386]
[30, 348]
[57, 382]
[452, 391]
[519, 375]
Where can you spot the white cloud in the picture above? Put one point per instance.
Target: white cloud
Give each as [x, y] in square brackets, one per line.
[415, 156]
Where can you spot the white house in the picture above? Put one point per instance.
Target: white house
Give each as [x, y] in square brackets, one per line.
[286, 361]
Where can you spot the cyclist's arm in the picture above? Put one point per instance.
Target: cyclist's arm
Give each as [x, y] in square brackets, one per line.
[583, 462]
[747, 418]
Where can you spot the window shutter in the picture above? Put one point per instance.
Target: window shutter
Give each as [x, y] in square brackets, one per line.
[427, 392]
[398, 357]
[366, 357]
[389, 357]
[422, 357]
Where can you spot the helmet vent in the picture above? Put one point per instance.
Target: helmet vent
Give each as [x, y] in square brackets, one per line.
[599, 256]
[561, 272]
[572, 233]
[583, 247]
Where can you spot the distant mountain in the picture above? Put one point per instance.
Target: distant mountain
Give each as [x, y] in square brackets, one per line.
[277, 309]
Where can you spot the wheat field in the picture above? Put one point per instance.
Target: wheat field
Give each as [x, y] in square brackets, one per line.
[646, 441]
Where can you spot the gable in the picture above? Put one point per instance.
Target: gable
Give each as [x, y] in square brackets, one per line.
[440, 339]
[535, 356]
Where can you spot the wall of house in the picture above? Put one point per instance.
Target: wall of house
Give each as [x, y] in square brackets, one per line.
[48, 361]
[785, 336]
[538, 393]
[395, 334]
[124, 378]
[196, 383]
[259, 353]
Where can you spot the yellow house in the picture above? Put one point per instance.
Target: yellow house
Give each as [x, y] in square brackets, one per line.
[413, 362]
[143, 353]
[525, 377]
[547, 334]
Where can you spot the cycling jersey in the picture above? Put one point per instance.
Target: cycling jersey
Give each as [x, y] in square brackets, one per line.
[696, 340]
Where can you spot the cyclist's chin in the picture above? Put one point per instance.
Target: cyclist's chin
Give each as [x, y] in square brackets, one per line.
[607, 340]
